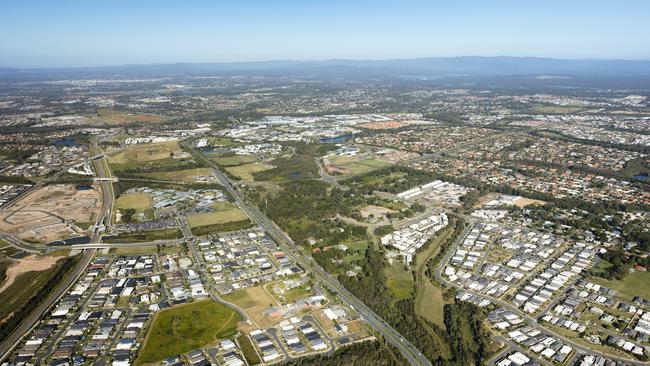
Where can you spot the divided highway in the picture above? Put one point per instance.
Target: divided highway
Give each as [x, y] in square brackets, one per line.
[392, 336]
[7, 346]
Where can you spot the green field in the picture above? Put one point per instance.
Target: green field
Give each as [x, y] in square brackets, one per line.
[234, 160]
[429, 302]
[221, 141]
[634, 284]
[221, 228]
[298, 166]
[248, 350]
[138, 201]
[187, 327]
[399, 281]
[347, 165]
[227, 213]
[185, 175]
[140, 156]
[245, 172]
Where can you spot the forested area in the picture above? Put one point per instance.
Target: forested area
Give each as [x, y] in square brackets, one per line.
[369, 353]
[463, 342]
[304, 209]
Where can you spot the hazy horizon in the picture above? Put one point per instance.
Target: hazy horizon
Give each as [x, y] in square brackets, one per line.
[40, 34]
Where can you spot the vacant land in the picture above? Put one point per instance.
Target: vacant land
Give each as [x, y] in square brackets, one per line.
[254, 301]
[245, 172]
[45, 215]
[523, 202]
[187, 327]
[429, 302]
[381, 125]
[223, 214]
[27, 264]
[138, 201]
[298, 166]
[346, 165]
[134, 250]
[634, 284]
[399, 281]
[375, 211]
[115, 118]
[234, 160]
[558, 109]
[30, 278]
[144, 155]
[247, 348]
[287, 296]
[185, 175]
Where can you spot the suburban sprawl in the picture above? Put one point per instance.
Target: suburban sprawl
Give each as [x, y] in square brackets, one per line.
[241, 220]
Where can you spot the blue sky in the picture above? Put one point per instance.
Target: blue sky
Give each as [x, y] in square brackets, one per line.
[93, 32]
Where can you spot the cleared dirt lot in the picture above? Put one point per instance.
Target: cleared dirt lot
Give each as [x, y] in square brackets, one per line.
[254, 301]
[27, 264]
[376, 211]
[381, 125]
[49, 213]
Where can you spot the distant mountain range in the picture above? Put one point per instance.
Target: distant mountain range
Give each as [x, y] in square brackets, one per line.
[419, 67]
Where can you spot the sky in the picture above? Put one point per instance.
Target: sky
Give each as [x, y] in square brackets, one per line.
[97, 32]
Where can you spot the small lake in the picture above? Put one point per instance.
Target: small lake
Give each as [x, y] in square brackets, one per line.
[643, 177]
[65, 141]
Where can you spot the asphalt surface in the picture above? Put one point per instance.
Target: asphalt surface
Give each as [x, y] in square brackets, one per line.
[392, 336]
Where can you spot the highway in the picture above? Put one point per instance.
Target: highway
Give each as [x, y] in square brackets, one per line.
[392, 336]
[104, 218]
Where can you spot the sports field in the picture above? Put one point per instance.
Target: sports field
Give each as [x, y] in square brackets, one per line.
[138, 201]
[187, 327]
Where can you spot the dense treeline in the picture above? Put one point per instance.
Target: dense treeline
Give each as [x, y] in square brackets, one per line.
[369, 353]
[14, 179]
[143, 169]
[304, 209]
[300, 165]
[389, 180]
[464, 342]
[61, 270]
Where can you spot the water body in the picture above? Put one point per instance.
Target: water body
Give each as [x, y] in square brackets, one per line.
[72, 241]
[336, 139]
[642, 177]
[65, 141]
